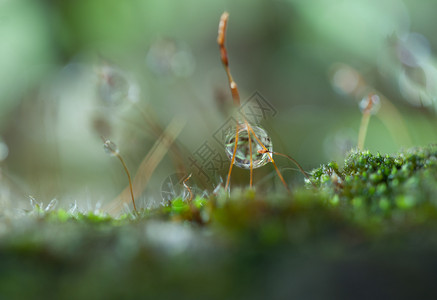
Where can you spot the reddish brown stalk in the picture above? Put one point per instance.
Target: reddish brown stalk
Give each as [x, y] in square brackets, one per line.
[221, 38]
[188, 188]
[292, 159]
[233, 86]
[130, 180]
[250, 156]
[112, 148]
[232, 160]
[271, 159]
[224, 56]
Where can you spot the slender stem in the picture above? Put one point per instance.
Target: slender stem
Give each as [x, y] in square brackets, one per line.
[363, 130]
[365, 121]
[233, 158]
[224, 56]
[233, 86]
[188, 188]
[297, 164]
[279, 173]
[236, 97]
[128, 176]
[250, 154]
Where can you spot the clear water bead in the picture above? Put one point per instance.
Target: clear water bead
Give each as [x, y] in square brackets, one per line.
[370, 104]
[242, 156]
[110, 147]
[116, 87]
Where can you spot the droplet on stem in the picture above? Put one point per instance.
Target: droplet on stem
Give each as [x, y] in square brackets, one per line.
[370, 104]
[242, 156]
[110, 147]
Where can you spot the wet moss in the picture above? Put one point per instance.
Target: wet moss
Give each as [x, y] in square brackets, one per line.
[375, 215]
[382, 184]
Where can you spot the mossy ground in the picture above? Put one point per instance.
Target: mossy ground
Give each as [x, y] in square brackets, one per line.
[367, 230]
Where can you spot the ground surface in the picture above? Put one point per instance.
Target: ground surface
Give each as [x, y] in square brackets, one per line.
[367, 230]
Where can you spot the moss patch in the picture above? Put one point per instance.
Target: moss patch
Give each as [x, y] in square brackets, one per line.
[367, 229]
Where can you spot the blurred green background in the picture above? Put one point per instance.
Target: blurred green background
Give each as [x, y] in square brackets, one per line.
[72, 71]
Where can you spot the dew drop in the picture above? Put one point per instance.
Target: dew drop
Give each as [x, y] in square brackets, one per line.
[370, 104]
[110, 148]
[242, 157]
[116, 87]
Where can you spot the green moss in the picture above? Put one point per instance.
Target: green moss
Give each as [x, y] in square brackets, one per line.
[179, 206]
[378, 214]
[381, 183]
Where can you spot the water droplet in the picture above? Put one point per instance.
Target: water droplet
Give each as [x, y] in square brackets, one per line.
[116, 87]
[242, 157]
[370, 104]
[110, 147]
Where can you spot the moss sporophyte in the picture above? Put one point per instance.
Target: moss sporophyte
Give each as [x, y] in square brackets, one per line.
[248, 146]
[112, 149]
